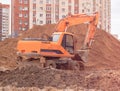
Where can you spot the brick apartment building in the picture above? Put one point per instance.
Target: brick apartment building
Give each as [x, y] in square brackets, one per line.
[0, 21]
[19, 15]
[26, 13]
[4, 21]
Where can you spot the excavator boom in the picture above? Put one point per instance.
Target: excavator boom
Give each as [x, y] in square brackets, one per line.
[72, 20]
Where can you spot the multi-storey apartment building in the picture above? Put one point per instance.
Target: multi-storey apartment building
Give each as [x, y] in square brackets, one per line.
[20, 16]
[4, 21]
[86, 6]
[39, 12]
[104, 8]
[0, 21]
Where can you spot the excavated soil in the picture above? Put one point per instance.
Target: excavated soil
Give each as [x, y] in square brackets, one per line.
[102, 71]
[32, 76]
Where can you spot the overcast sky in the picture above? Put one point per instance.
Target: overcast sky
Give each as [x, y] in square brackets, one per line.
[115, 15]
[115, 18]
[5, 1]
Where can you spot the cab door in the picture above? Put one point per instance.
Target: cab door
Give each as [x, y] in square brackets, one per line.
[68, 43]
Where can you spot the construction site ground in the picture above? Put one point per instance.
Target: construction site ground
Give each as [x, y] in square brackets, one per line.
[102, 71]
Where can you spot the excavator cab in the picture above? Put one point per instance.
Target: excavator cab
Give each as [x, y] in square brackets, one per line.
[68, 43]
[66, 40]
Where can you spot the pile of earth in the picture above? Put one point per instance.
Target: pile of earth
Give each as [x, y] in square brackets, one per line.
[102, 69]
[104, 53]
[32, 76]
[8, 52]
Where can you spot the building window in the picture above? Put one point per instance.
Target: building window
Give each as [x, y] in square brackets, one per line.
[41, 1]
[34, 8]
[76, 5]
[63, 9]
[88, 10]
[25, 1]
[34, 1]
[20, 22]
[76, 11]
[41, 8]
[26, 23]
[5, 10]
[23, 28]
[69, 4]
[25, 8]
[25, 15]
[20, 15]
[48, 15]
[20, 28]
[82, 4]
[48, 1]
[41, 15]
[48, 8]
[41, 22]
[34, 15]
[48, 22]
[57, 1]
[34, 21]
[63, 16]
[20, 1]
[20, 8]
[83, 11]
[88, 4]
[63, 3]
[56, 16]
[57, 9]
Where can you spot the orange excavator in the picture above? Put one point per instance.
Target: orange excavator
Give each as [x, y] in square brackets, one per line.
[60, 51]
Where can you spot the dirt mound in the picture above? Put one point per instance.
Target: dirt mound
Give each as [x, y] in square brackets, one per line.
[104, 53]
[8, 52]
[38, 30]
[36, 77]
[103, 56]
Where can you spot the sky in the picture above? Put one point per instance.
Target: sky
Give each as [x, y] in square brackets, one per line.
[115, 15]
[5, 1]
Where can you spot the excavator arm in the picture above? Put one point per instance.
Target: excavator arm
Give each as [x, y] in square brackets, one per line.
[72, 20]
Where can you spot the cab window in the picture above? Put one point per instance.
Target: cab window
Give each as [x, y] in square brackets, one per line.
[68, 43]
[55, 37]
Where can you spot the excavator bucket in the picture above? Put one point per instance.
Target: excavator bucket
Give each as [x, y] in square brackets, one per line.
[83, 54]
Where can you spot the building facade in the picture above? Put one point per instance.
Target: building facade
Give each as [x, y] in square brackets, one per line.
[20, 16]
[104, 8]
[4, 21]
[28, 13]
[0, 21]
